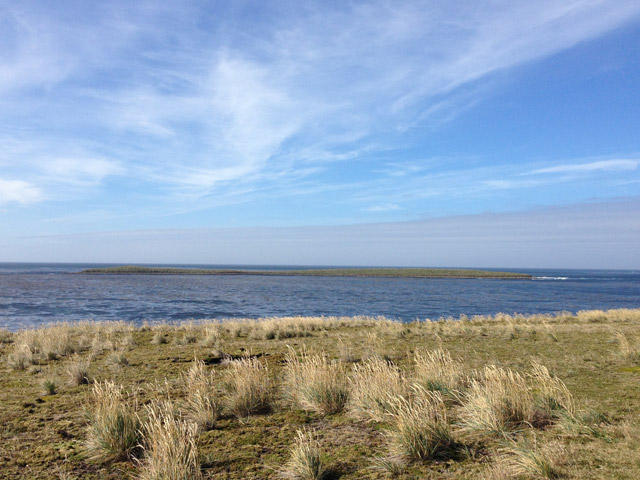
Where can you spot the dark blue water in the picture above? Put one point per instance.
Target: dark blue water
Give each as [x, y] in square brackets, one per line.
[33, 294]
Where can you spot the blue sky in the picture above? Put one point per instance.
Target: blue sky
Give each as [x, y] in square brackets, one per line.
[370, 124]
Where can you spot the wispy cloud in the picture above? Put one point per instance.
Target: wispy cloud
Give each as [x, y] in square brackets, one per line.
[182, 100]
[18, 191]
[612, 165]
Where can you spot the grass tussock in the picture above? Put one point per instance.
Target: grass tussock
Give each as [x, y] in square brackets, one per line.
[373, 386]
[20, 357]
[436, 370]
[497, 401]
[313, 382]
[628, 352]
[114, 428]
[420, 429]
[170, 445]
[305, 459]
[78, 371]
[527, 458]
[249, 388]
[203, 404]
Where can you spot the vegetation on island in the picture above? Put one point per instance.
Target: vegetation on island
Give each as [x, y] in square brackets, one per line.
[508, 396]
[321, 272]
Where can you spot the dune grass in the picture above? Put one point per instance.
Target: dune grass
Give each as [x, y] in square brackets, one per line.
[543, 396]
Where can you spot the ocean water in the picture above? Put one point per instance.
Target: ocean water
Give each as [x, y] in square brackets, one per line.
[36, 294]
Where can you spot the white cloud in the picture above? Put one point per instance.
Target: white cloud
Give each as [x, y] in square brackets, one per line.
[18, 191]
[612, 165]
[86, 171]
[213, 110]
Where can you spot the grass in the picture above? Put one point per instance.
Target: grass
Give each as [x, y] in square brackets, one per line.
[322, 272]
[305, 460]
[170, 445]
[202, 403]
[249, 387]
[409, 400]
[114, 428]
[315, 383]
[420, 429]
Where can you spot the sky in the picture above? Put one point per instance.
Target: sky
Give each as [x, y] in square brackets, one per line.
[420, 133]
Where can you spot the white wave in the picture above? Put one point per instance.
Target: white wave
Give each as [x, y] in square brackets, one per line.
[551, 278]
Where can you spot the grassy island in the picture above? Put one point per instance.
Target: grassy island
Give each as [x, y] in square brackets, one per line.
[323, 272]
[508, 396]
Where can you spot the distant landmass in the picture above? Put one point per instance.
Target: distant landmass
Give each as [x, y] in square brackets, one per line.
[322, 272]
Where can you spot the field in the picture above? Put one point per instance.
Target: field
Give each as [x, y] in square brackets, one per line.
[349, 398]
[316, 272]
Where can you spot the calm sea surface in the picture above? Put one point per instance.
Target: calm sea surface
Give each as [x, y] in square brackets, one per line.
[34, 294]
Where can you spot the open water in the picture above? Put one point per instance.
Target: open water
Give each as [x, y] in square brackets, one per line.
[35, 294]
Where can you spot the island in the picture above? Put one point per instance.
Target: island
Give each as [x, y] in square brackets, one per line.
[318, 272]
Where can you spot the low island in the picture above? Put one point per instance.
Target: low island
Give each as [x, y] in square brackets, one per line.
[318, 272]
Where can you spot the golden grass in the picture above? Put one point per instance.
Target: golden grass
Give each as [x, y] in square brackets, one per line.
[436, 370]
[314, 382]
[516, 425]
[305, 459]
[170, 445]
[203, 404]
[249, 388]
[373, 386]
[114, 428]
[420, 428]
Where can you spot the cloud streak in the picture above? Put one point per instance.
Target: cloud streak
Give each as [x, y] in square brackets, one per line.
[313, 114]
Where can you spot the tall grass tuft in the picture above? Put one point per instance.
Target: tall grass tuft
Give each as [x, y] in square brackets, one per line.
[629, 353]
[313, 382]
[203, 404]
[78, 371]
[497, 401]
[437, 371]
[305, 462]
[525, 457]
[420, 429]
[373, 385]
[553, 399]
[249, 387]
[170, 445]
[114, 428]
[20, 357]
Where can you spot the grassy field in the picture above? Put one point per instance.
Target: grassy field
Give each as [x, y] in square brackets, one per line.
[324, 272]
[350, 398]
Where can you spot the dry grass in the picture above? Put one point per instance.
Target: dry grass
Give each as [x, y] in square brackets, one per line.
[249, 388]
[20, 357]
[305, 459]
[113, 423]
[436, 370]
[170, 445]
[497, 401]
[373, 385]
[203, 404]
[628, 352]
[527, 458]
[315, 383]
[538, 413]
[420, 429]
[78, 371]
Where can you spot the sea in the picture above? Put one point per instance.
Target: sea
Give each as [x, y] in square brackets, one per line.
[34, 294]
